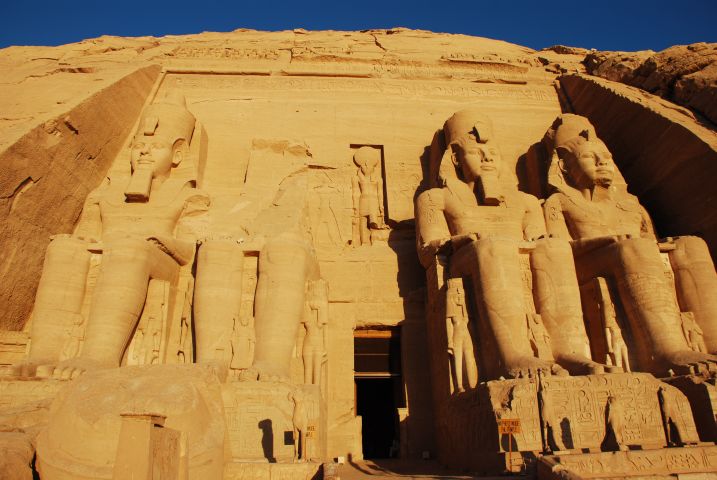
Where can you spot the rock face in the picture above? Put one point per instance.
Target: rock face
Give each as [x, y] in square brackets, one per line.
[684, 74]
[243, 254]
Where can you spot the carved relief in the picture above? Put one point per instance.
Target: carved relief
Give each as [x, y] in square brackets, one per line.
[368, 188]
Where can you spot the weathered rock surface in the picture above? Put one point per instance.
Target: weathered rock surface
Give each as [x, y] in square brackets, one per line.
[684, 74]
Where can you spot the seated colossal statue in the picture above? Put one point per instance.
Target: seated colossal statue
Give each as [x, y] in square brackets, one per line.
[612, 238]
[483, 227]
[139, 225]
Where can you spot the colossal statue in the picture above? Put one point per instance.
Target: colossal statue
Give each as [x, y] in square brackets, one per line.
[612, 237]
[138, 225]
[481, 225]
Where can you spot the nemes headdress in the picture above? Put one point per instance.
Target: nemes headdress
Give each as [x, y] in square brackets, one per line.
[567, 131]
[168, 118]
[468, 122]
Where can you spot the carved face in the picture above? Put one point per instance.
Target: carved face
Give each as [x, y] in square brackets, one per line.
[153, 152]
[588, 163]
[476, 159]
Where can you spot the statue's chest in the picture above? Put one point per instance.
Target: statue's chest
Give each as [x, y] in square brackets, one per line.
[589, 219]
[144, 214]
[503, 220]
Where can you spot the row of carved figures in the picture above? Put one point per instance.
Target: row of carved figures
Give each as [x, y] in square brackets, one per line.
[552, 432]
[590, 234]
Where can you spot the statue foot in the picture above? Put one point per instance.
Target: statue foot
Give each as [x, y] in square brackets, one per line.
[529, 367]
[28, 369]
[22, 369]
[249, 375]
[688, 362]
[581, 365]
[263, 373]
[74, 367]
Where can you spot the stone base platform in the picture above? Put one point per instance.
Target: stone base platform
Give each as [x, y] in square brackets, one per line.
[471, 421]
[259, 420]
[702, 395]
[272, 471]
[683, 462]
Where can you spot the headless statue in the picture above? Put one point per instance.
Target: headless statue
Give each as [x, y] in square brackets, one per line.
[138, 226]
[481, 225]
[612, 237]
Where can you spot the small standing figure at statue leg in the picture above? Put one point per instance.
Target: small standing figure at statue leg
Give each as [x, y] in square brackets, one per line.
[460, 342]
[316, 339]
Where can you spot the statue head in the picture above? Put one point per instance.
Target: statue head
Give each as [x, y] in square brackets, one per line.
[583, 158]
[367, 158]
[469, 137]
[160, 144]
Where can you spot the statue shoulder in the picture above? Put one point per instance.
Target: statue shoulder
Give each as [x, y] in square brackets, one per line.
[529, 200]
[629, 202]
[96, 195]
[195, 200]
[433, 198]
[555, 200]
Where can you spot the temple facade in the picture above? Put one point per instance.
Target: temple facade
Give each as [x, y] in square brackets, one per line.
[257, 255]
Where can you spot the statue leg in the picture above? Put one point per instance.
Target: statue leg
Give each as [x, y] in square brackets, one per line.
[59, 299]
[365, 230]
[117, 302]
[494, 268]
[557, 300]
[317, 357]
[650, 305]
[696, 283]
[285, 264]
[470, 362]
[308, 358]
[458, 361]
[217, 296]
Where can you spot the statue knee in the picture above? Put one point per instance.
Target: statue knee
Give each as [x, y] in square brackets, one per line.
[553, 249]
[63, 248]
[644, 251]
[486, 247]
[129, 250]
[286, 252]
[691, 248]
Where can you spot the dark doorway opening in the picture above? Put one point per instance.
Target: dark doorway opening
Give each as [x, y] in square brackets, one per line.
[379, 390]
[375, 403]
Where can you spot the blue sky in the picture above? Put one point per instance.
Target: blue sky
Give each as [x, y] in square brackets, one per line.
[600, 24]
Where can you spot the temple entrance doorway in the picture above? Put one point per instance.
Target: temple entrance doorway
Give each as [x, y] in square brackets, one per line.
[377, 363]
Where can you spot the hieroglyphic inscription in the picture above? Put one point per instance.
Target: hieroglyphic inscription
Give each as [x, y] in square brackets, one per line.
[226, 52]
[645, 462]
[584, 409]
[338, 86]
